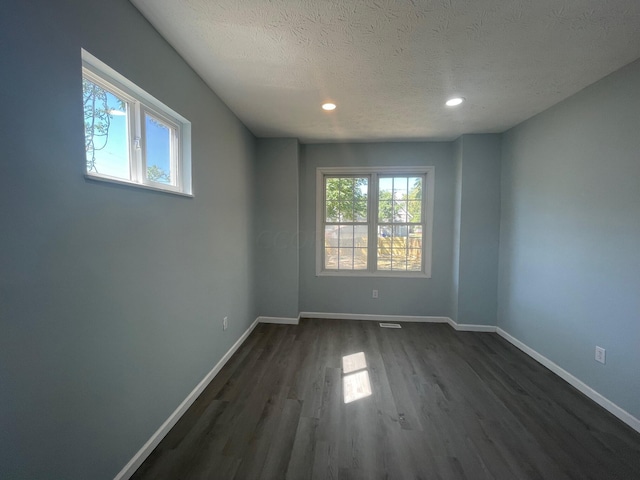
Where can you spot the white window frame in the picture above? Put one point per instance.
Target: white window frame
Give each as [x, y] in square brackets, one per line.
[141, 103]
[372, 218]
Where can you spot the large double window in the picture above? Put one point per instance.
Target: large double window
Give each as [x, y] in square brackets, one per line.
[130, 137]
[374, 221]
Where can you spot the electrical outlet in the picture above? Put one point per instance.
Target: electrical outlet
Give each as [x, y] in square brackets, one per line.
[375, 294]
[225, 323]
[600, 354]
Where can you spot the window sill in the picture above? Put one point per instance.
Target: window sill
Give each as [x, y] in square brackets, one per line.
[367, 274]
[96, 178]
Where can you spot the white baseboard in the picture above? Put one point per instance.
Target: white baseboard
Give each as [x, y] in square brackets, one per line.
[462, 327]
[607, 404]
[373, 318]
[467, 327]
[129, 469]
[137, 460]
[280, 320]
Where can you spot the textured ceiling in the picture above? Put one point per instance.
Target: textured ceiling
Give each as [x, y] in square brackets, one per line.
[390, 65]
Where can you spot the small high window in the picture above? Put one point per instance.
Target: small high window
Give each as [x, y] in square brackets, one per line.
[130, 137]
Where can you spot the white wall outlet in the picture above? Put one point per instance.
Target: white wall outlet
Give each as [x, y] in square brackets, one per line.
[600, 354]
[375, 294]
[225, 323]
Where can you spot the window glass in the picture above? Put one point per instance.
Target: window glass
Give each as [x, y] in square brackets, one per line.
[105, 131]
[130, 137]
[346, 210]
[383, 232]
[158, 150]
[399, 207]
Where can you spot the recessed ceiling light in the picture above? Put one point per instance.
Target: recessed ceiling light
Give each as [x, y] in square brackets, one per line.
[453, 102]
[328, 106]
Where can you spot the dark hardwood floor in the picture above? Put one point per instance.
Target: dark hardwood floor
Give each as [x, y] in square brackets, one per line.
[443, 405]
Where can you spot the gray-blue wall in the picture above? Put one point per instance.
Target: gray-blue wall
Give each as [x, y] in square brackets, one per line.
[111, 297]
[276, 207]
[398, 296]
[457, 214]
[570, 235]
[478, 229]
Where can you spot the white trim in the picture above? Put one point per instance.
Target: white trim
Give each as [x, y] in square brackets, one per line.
[130, 468]
[426, 171]
[142, 102]
[121, 181]
[461, 327]
[374, 318]
[468, 327]
[605, 403]
[280, 320]
[101, 69]
[368, 273]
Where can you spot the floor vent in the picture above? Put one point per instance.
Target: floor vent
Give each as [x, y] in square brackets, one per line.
[390, 325]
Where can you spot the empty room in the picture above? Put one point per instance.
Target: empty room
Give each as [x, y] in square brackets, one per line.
[269, 239]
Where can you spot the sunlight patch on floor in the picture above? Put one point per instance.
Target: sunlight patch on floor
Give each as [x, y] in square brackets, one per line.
[355, 385]
[351, 363]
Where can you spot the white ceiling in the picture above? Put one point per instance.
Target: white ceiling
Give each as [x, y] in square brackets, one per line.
[390, 65]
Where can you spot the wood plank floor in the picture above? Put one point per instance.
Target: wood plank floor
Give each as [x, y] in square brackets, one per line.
[443, 405]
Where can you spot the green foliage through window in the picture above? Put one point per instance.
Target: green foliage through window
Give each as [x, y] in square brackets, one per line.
[97, 120]
[401, 205]
[156, 174]
[375, 222]
[346, 199]
[100, 106]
